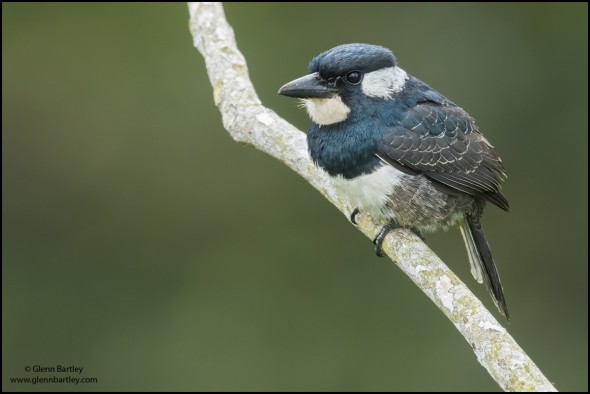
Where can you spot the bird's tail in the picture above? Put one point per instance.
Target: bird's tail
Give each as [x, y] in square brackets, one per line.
[483, 267]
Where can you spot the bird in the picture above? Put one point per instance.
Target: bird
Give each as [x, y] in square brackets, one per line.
[400, 151]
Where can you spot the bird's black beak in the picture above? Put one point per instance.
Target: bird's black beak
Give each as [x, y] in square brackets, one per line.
[309, 86]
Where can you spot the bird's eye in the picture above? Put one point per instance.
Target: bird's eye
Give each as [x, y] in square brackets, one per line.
[354, 77]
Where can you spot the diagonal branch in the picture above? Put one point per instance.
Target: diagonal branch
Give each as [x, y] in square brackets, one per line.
[249, 122]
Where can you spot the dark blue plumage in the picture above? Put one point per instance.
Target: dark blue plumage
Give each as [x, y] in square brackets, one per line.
[344, 58]
[400, 150]
[349, 148]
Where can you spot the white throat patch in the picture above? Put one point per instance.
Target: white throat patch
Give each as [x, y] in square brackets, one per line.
[326, 111]
[384, 83]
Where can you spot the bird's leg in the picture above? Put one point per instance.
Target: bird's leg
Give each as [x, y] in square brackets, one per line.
[353, 216]
[392, 225]
[378, 241]
[418, 233]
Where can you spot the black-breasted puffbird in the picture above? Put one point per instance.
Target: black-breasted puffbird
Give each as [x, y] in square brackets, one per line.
[401, 151]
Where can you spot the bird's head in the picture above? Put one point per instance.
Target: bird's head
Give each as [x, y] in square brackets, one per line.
[345, 77]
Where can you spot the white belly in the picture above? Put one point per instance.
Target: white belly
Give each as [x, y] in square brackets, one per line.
[370, 193]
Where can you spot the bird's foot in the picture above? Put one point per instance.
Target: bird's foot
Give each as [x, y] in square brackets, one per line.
[392, 225]
[353, 216]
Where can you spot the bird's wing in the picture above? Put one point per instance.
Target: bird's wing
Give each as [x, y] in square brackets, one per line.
[443, 143]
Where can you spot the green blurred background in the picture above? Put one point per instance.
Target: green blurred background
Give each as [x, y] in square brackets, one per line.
[141, 243]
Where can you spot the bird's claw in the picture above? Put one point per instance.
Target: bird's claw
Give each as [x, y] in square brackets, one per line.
[380, 237]
[353, 216]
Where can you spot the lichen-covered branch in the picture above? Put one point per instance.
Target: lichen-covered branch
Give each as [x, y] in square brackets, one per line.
[249, 122]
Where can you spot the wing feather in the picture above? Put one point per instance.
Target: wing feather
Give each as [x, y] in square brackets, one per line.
[442, 142]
